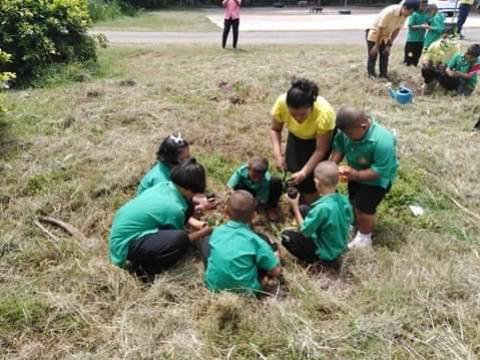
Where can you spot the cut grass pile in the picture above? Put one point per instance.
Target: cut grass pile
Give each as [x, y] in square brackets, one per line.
[164, 20]
[76, 152]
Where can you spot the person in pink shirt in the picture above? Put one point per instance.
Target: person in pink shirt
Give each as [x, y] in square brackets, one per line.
[232, 19]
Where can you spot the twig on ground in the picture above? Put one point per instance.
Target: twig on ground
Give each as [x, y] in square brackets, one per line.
[45, 230]
[73, 231]
[471, 213]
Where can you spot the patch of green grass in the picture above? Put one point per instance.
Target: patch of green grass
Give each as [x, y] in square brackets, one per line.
[162, 20]
[21, 311]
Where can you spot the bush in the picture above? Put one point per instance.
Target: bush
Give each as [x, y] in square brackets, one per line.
[101, 10]
[5, 77]
[38, 33]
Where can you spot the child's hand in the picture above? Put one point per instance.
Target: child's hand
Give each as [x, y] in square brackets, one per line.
[294, 203]
[343, 173]
[196, 224]
[204, 231]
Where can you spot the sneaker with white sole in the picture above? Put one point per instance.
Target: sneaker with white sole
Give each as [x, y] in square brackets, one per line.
[358, 242]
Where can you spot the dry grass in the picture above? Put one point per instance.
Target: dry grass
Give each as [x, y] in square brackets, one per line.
[76, 153]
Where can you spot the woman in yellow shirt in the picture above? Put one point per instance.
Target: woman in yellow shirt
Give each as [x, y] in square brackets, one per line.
[310, 121]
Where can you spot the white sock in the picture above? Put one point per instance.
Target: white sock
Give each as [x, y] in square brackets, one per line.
[363, 237]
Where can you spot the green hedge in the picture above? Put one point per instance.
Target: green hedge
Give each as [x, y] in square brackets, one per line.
[38, 33]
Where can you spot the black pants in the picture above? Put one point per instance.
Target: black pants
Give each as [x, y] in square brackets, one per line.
[274, 193]
[152, 254]
[304, 248]
[297, 154]
[234, 24]
[430, 73]
[413, 51]
[372, 60]
[463, 11]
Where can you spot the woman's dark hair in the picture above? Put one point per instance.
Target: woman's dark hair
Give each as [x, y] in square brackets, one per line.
[302, 93]
[170, 149]
[189, 175]
[411, 4]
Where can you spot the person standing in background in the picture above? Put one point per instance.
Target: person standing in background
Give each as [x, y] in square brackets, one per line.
[381, 35]
[232, 20]
[417, 26]
[463, 11]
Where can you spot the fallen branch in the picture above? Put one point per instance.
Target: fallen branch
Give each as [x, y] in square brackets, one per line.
[73, 231]
[45, 230]
[471, 213]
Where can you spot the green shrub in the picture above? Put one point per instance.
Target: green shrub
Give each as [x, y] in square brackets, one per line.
[38, 33]
[5, 77]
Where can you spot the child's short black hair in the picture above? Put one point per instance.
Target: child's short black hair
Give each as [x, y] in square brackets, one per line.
[241, 205]
[190, 175]
[170, 149]
[302, 93]
[474, 50]
[349, 117]
[258, 164]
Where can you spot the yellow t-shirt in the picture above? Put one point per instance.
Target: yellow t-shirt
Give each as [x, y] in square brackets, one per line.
[441, 51]
[467, 2]
[320, 121]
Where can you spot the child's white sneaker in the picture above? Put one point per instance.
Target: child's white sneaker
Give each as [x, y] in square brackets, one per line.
[361, 240]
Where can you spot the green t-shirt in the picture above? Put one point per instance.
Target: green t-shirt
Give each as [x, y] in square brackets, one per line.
[417, 18]
[158, 173]
[459, 63]
[437, 24]
[376, 150]
[160, 207]
[327, 224]
[236, 255]
[260, 188]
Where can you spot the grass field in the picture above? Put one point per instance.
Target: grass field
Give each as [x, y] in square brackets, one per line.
[76, 152]
[165, 20]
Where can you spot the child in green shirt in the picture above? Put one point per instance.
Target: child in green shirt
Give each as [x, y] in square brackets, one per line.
[172, 151]
[237, 258]
[436, 27]
[323, 233]
[417, 25]
[255, 178]
[148, 234]
[371, 155]
[462, 72]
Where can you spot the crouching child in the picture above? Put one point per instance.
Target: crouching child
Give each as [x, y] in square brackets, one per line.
[372, 166]
[238, 259]
[323, 234]
[255, 178]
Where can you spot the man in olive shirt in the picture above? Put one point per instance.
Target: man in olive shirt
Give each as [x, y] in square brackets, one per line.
[323, 233]
[381, 35]
[237, 258]
[148, 231]
[371, 155]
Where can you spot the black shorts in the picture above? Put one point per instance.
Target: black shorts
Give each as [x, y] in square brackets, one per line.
[366, 197]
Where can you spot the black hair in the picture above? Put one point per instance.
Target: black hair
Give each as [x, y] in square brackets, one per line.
[189, 175]
[411, 4]
[170, 149]
[474, 50]
[348, 117]
[258, 163]
[302, 93]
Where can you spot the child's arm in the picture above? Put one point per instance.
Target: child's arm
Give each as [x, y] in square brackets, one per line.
[200, 234]
[362, 175]
[294, 203]
[275, 272]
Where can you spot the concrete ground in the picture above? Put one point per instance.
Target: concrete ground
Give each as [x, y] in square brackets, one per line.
[300, 19]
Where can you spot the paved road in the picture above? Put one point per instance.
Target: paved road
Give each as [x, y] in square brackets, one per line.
[254, 37]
